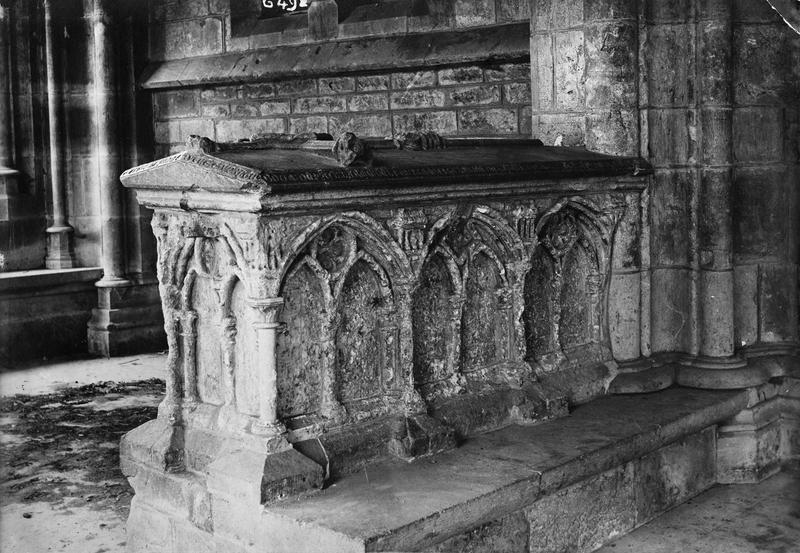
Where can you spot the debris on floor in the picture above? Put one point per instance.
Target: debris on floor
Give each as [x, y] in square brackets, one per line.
[59, 463]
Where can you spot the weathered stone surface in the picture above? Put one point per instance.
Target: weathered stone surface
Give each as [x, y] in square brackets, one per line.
[274, 107]
[673, 137]
[671, 201]
[716, 308]
[760, 210]
[307, 320]
[337, 85]
[460, 75]
[233, 129]
[671, 299]
[300, 349]
[372, 82]
[748, 453]
[492, 121]
[443, 122]
[758, 134]
[613, 131]
[368, 102]
[569, 67]
[470, 13]
[191, 37]
[675, 473]
[362, 125]
[601, 507]
[414, 79]
[417, 99]
[625, 315]
[760, 51]
[509, 534]
[476, 95]
[314, 123]
[778, 321]
[561, 130]
[611, 48]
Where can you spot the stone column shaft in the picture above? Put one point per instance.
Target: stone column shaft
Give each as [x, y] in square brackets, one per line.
[107, 145]
[59, 234]
[715, 226]
[189, 335]
[6, 137]
[266, 323]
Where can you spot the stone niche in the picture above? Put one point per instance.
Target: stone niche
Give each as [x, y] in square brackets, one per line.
[322, 317]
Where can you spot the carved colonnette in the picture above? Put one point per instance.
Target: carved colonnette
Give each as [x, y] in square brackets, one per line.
[316, 324]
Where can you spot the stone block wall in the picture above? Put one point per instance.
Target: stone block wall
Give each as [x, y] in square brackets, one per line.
[182, 29]
[711, 101]
[766, 150]
[464, 100]
[584, 71]
[461, 99]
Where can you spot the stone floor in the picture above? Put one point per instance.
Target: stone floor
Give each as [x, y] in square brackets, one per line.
[61, 488]
[726, 519]
[60, 484]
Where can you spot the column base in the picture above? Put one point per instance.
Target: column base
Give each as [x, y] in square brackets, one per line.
[60, 254]
[750, 367]
[127, 319]
[763, 437]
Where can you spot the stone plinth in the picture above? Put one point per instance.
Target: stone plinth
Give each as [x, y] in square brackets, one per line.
[322, 317]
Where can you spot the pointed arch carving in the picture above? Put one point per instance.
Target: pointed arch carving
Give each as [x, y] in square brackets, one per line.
[436, 314]
[374, 238]
[481, 256]
[349, 341]
[564, 290]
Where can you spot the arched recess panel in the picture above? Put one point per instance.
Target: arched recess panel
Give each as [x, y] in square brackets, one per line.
[480, 331]
[575, 327]
[300, 353]
[539, 295]
[359, 360]
[246, 363]
[208, 348]
[431, 321]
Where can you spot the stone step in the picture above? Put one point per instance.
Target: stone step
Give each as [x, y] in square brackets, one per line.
[608, 467]
[567, 485]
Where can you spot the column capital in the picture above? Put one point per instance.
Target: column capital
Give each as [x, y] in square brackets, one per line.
[269, 308]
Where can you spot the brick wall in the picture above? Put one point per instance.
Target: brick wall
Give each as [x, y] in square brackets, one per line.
[465, 100]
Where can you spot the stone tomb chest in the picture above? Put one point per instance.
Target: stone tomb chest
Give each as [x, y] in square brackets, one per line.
[328, 308]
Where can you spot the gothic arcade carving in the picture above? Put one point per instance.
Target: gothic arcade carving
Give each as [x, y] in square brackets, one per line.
[386, 309]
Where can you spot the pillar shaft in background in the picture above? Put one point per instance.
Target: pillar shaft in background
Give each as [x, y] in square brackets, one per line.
[59, 234]
[107, 146]
[6, 137]
[128, 316]
[21, 221]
